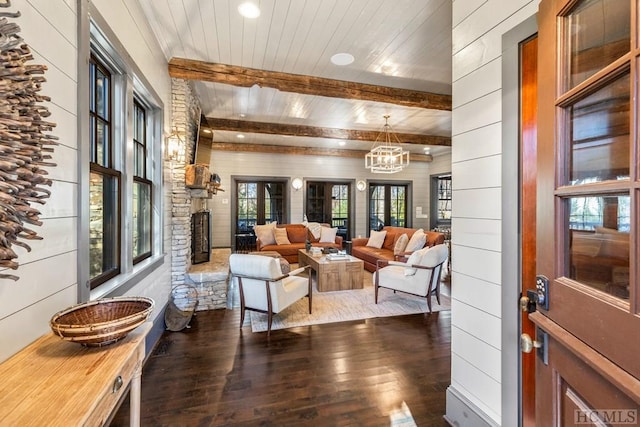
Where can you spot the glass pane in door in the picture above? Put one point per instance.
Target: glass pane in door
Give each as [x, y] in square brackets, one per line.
[598, 238]
[599, 139]
[596, 33]
[340, 209]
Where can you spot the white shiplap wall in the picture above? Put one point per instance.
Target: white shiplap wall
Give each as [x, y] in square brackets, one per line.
[227, 164]
[478, 26]
[50, 29]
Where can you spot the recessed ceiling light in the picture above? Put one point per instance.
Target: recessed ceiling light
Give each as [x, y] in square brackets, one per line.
[243, 115]
[342, 59]
[249, 10]
[240, 136]
[427, 150]
[342, 143]
[206, 130]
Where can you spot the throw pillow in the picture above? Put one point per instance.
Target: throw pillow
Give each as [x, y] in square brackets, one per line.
[417, 241]
[297, 234]
[414, 259]
[328, 235]
[264, 233]
[280, 234]
[314, 229]
[401, 244]
[376, 239]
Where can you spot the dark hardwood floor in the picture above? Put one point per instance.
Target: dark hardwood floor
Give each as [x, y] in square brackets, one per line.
[342, 374]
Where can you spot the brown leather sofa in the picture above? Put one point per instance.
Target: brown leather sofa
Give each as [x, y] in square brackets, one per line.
[370, 255]
[297, 235]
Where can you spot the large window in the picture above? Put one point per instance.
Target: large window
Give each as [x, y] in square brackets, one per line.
[142, 187]
[104, 185]
[124, 137]
[387, 205]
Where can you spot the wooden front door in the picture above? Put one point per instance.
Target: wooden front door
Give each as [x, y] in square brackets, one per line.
[588, 211]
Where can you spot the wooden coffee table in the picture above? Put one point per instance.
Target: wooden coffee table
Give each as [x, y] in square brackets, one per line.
[339, 275]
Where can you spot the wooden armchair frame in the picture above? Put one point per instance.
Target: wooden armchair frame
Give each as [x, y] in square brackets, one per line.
[267, 282]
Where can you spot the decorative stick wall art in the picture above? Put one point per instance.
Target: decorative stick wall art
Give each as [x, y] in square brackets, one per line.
[24, 147]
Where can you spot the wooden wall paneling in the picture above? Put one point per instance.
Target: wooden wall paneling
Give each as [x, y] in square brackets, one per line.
[468, 288]
[478, 323]
[483, 355]
[484, 390]
[66, 160]
[478, 263]
[36, 286]
[478, 113]
[22, 327]
[476, 84]
[463, 9]
[487, 47]
[482, 21]
[65, 202]
[477, 203]
[52, 34]
[478, 233]
[465, 174]
[66, 129]
[58, 86]
[484, 141]
[59, 236]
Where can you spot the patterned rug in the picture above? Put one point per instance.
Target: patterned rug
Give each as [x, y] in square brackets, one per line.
[342, 306]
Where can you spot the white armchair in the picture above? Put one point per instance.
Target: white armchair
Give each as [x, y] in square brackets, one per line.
[420, 275]
[264, 288]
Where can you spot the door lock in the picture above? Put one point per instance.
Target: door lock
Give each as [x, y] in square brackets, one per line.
[527, 305]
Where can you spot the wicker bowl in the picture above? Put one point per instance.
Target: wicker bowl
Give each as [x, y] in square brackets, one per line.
[101, 322]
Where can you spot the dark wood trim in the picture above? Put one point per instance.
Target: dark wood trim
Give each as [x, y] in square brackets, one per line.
[320, 132]
[528, 158]
[308, 85]
[604, 366]
[302, 151]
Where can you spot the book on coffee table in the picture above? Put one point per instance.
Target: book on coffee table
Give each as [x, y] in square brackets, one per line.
[337, 257]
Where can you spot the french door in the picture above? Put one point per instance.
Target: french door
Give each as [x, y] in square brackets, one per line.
[330, 203]
[588, 201]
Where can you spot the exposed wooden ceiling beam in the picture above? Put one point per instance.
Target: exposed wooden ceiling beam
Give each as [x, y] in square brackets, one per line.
[319, 132]
[303, 151]
[308, 85]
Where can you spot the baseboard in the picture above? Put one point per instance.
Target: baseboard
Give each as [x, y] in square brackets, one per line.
[461, 412]
[155, 333]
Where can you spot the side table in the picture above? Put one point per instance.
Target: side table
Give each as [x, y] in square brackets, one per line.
[56, 382]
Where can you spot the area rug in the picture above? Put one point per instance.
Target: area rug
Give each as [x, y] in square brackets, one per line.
[342, 306]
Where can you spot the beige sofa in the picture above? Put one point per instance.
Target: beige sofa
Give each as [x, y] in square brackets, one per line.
[371, 255]
[297, 235]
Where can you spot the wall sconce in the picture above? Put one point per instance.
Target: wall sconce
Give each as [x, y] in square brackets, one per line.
[361, 185]
[175, 148]
[296, 184]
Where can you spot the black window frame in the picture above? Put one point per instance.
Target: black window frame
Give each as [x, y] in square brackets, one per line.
[141, 147]
[111, 226]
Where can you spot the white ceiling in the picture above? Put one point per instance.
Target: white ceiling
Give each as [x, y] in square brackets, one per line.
[396, 43]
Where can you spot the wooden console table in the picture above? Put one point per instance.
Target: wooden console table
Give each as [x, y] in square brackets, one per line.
[56, 382]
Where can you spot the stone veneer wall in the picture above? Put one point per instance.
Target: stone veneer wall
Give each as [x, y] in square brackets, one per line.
[184, 119]
[210, 279]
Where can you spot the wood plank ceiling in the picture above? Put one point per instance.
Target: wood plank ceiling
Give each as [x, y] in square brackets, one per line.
[271, 78]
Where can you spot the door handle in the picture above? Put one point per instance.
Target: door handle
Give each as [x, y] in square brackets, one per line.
[527, 344]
